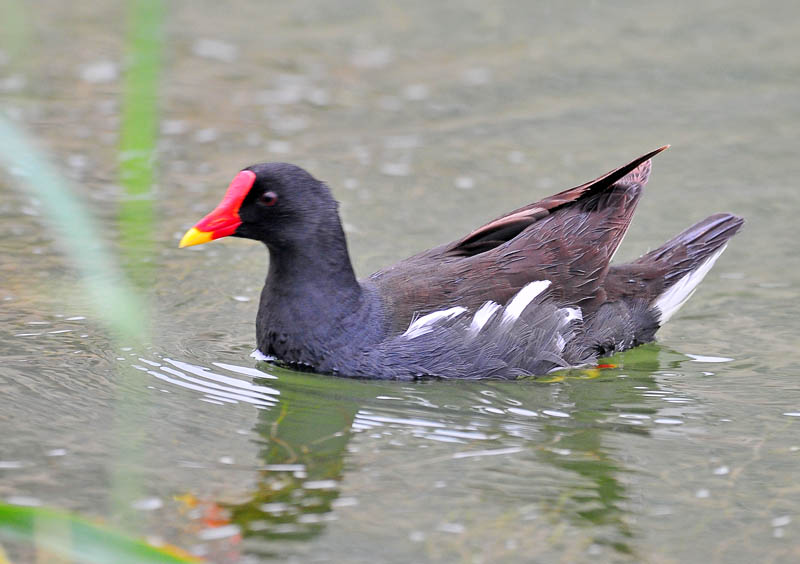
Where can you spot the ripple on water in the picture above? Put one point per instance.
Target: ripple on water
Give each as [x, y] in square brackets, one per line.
[708, 359]
[217, 388]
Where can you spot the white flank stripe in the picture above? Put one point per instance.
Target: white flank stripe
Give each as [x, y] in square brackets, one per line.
[671, 301]
[571, 313]
[521, 300]
[425, 324]
[482, 316]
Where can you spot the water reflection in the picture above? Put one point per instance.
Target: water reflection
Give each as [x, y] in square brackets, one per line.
[557, 443]
[302, 444]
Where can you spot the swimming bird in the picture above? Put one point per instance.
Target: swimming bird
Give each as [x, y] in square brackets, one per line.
[528, 293]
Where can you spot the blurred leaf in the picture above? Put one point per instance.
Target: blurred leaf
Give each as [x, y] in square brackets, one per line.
[76, 538]
[75, 231]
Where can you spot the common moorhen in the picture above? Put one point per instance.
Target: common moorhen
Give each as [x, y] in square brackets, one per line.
[527, 293]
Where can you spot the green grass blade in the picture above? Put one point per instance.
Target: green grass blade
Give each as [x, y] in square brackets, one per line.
[139, 135]
[80, 540]
[110, 294]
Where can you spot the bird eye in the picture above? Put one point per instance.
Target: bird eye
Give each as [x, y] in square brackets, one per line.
[268, 198]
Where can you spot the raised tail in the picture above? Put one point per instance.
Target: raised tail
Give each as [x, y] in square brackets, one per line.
[646, 293]
[686, 259]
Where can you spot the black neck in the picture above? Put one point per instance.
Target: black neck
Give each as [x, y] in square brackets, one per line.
[310, 294]
[299, 274]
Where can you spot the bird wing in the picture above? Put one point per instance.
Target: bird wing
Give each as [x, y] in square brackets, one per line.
[568, 238]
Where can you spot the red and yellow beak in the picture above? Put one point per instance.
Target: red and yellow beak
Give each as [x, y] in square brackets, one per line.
[225, 218]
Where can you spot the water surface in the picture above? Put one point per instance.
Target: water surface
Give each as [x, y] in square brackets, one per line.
[425, 120]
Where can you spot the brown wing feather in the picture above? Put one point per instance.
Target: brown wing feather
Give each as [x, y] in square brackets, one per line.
[508, 226]
[568, 238]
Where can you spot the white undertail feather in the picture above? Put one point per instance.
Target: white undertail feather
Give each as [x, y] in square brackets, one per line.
[482, 316]
[520, 301]
[426, 323]
[671, 301]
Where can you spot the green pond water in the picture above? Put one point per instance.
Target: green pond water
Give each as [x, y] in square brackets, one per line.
[426, 119]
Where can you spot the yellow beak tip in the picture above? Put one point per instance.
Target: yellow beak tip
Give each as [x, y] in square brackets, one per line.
[194, 237]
